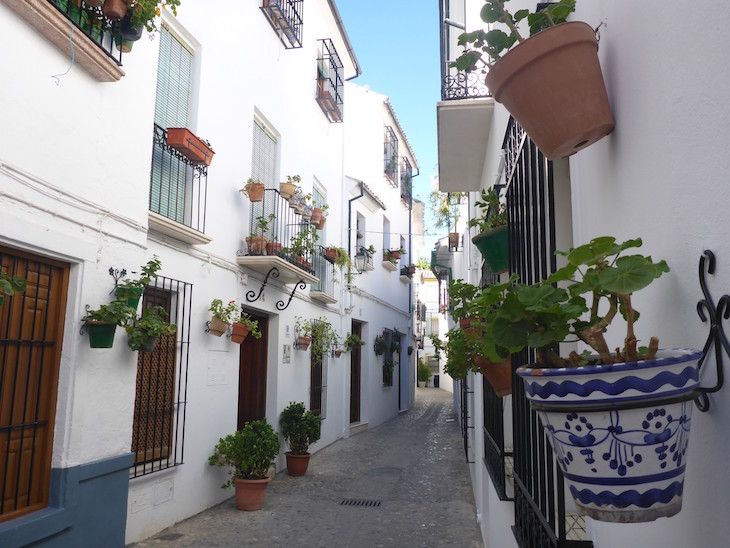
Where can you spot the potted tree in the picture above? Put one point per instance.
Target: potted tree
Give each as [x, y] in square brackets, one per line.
[300, 429]
[423, 373]
[222, 316]
[557, 65]
[143, 332]
[243, 326]
[131, 290]
[249, 453]
[492, 226]
[101, 324]
[9, 285]
[618, 421]
[253, 190]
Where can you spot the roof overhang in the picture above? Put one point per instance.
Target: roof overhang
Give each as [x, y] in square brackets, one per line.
[463, 134]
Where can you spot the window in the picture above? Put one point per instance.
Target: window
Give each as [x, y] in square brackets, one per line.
[406, 182]
[285, 17]
[330, 86]
[390, 156]
[388, 358]
[31, 331]
[318, 383]
[158, 430]
[263, 161]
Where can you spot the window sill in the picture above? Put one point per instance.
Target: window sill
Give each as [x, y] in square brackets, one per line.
[387, 265]
[168, 227]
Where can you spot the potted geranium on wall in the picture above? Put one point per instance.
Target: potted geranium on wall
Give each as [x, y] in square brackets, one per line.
[101, 323]
[143, 332]
[300, 429]
[551, 82]
[492, 225]
[222, 316]
[249, 453]
[243, 326]
[618, 421]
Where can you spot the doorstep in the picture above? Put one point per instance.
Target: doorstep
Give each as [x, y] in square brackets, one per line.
[357, 427]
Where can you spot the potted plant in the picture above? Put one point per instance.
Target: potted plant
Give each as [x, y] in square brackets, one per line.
[243, 326]
[446, 207]
[222, 316]
[194, 148]
[257, 242]
[395, 341]
[303, 330]
[300, 429]
[557, 65]
[492, 226]
[274, 246]
[114, 10]
[381, 345]
[287, 189]
[143, 332]
[319, 223]
[352, 341]
[303, 245]
[253, 190]
[423, 373]
[249, 453]
[131, 290]
[395, 254]
[9, 285]
[618, 421]
[101, 324]
[320, 333]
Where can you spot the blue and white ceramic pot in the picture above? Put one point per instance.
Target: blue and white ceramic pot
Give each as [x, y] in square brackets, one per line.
[620, 432]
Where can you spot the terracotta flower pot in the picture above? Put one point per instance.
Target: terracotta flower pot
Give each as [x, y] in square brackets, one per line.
[250, 494]
[217, 326]
[256, 244]
[303, 342]
[186, 143]
[114, 10]
[255, 191]
[553, 86]
[338, 353]
[316, 215]
[296, 465]
[471, 326]
[286, 190]
[240, 332]
[331, 254]
[321, 222]
[273, 248]
[395, 254]
[499, 374]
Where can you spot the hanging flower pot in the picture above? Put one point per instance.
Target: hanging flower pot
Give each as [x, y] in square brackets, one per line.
[331, 254]
[553, 86]
[186, 143]
[471, 326]
[499, 374]
[338, 353]
[492, 244]
[453, 239]
[303, 342]
[620, 432]
[218, 327]
[307, 212]
[240, 332]
[321, 222]
[149, 345]
[101, 334]
[255, 191]
[287, 190]
[115, 10]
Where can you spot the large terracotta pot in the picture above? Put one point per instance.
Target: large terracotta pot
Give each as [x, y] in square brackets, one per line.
[287, 189]
[250, 494]
[255, 191]
[553, 86]
[296, 465]
[115, 10]
[499, 374]
[240, 332]
[620, 432]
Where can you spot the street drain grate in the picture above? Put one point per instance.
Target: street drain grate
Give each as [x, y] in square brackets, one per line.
[360, 503]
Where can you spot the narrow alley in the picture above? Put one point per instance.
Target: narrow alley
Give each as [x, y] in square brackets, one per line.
[411, 471]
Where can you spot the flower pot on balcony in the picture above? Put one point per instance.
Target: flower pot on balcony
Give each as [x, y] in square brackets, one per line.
[499, 374]
[240, 332]
[256, 244]
[115, 10]
[186, 143]
[331, 254]
[394, 254]
[101, 334]
[620, 432]
[255, 191]
[125, 34]
[492, 244]
[273, 248]
[553, 86]
[453, 239]
[307, 212]
[287, 190]
[321, 222]
[316, 215]
[217, 326]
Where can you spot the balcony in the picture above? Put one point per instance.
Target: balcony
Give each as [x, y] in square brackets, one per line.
[406, 182]
[279, 237]
[178, 193]
[330, 86]
[324, 289]
[285, 17]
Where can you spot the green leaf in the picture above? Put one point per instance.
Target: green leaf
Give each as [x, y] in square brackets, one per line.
[498, 40]
[562, 275]
[559, 13]
[521, 14]
[537, 297]
[630, 274]
[489, 14]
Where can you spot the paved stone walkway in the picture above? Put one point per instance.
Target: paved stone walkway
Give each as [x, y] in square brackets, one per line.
[414, 465]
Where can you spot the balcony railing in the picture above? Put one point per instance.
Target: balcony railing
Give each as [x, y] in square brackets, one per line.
[285, 17]
[278, 229]
[91, 22]
[178, 188]
[406, 182]
[390, 156]
[325, 271]
[330, 86]
[455, 84]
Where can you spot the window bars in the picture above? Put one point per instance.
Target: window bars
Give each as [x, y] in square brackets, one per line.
[406, 182]
[330, 85]
[178, 188]
[324, 271]
[158, 432]
[390, 156]
[318, 379]
[285, 17]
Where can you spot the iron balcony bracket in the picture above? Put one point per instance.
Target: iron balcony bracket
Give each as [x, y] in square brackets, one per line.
[299, 285]
[117, 274]
[251, 296]
[706, 309]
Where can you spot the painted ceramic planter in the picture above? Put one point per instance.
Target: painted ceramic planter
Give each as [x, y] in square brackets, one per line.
[620, 432]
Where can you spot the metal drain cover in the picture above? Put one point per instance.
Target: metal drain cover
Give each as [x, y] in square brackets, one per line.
[360, 502]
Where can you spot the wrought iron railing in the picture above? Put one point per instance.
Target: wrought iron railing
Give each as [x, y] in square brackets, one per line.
[540, 505]
[277, 228]
[178, 188]
[495, 454]
[465, 394]
[285, 17]
[406, 182]
[456, 84]
[90, 21]
[325, 271]
[390, 156]
[330, 85]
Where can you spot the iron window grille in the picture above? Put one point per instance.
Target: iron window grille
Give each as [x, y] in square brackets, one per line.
[324, 271]
[406, 182]
[178, 188]
[91, 22]
[285, 17]
[456, 84]
[158, 432]
[388, 358]
[390, 156]
[318, 380]
[330, 85]
[541, 517]
[465, 394]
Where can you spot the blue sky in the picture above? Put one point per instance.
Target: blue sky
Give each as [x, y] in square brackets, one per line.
[397, 45]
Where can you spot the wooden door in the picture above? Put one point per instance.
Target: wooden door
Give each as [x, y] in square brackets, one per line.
[252, 375]
[355, 378]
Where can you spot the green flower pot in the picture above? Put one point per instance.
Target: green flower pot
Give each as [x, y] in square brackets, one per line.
[492, 244]
[101, 334]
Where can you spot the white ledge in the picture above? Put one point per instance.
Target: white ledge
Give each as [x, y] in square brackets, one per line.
[168, 227]
[52, 24]
[288, 273]
[387, 265]
[322, 297]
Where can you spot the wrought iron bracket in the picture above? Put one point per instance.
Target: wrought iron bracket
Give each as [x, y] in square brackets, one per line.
[707, 310]
[299, 285]
[117, 274]
[252, 297]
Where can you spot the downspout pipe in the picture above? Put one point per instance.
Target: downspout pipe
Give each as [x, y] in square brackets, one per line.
[348, 45]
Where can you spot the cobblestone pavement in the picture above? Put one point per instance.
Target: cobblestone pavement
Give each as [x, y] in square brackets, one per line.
[414, 465]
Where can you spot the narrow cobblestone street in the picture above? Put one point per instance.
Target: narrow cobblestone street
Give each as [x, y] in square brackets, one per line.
[413, 465]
